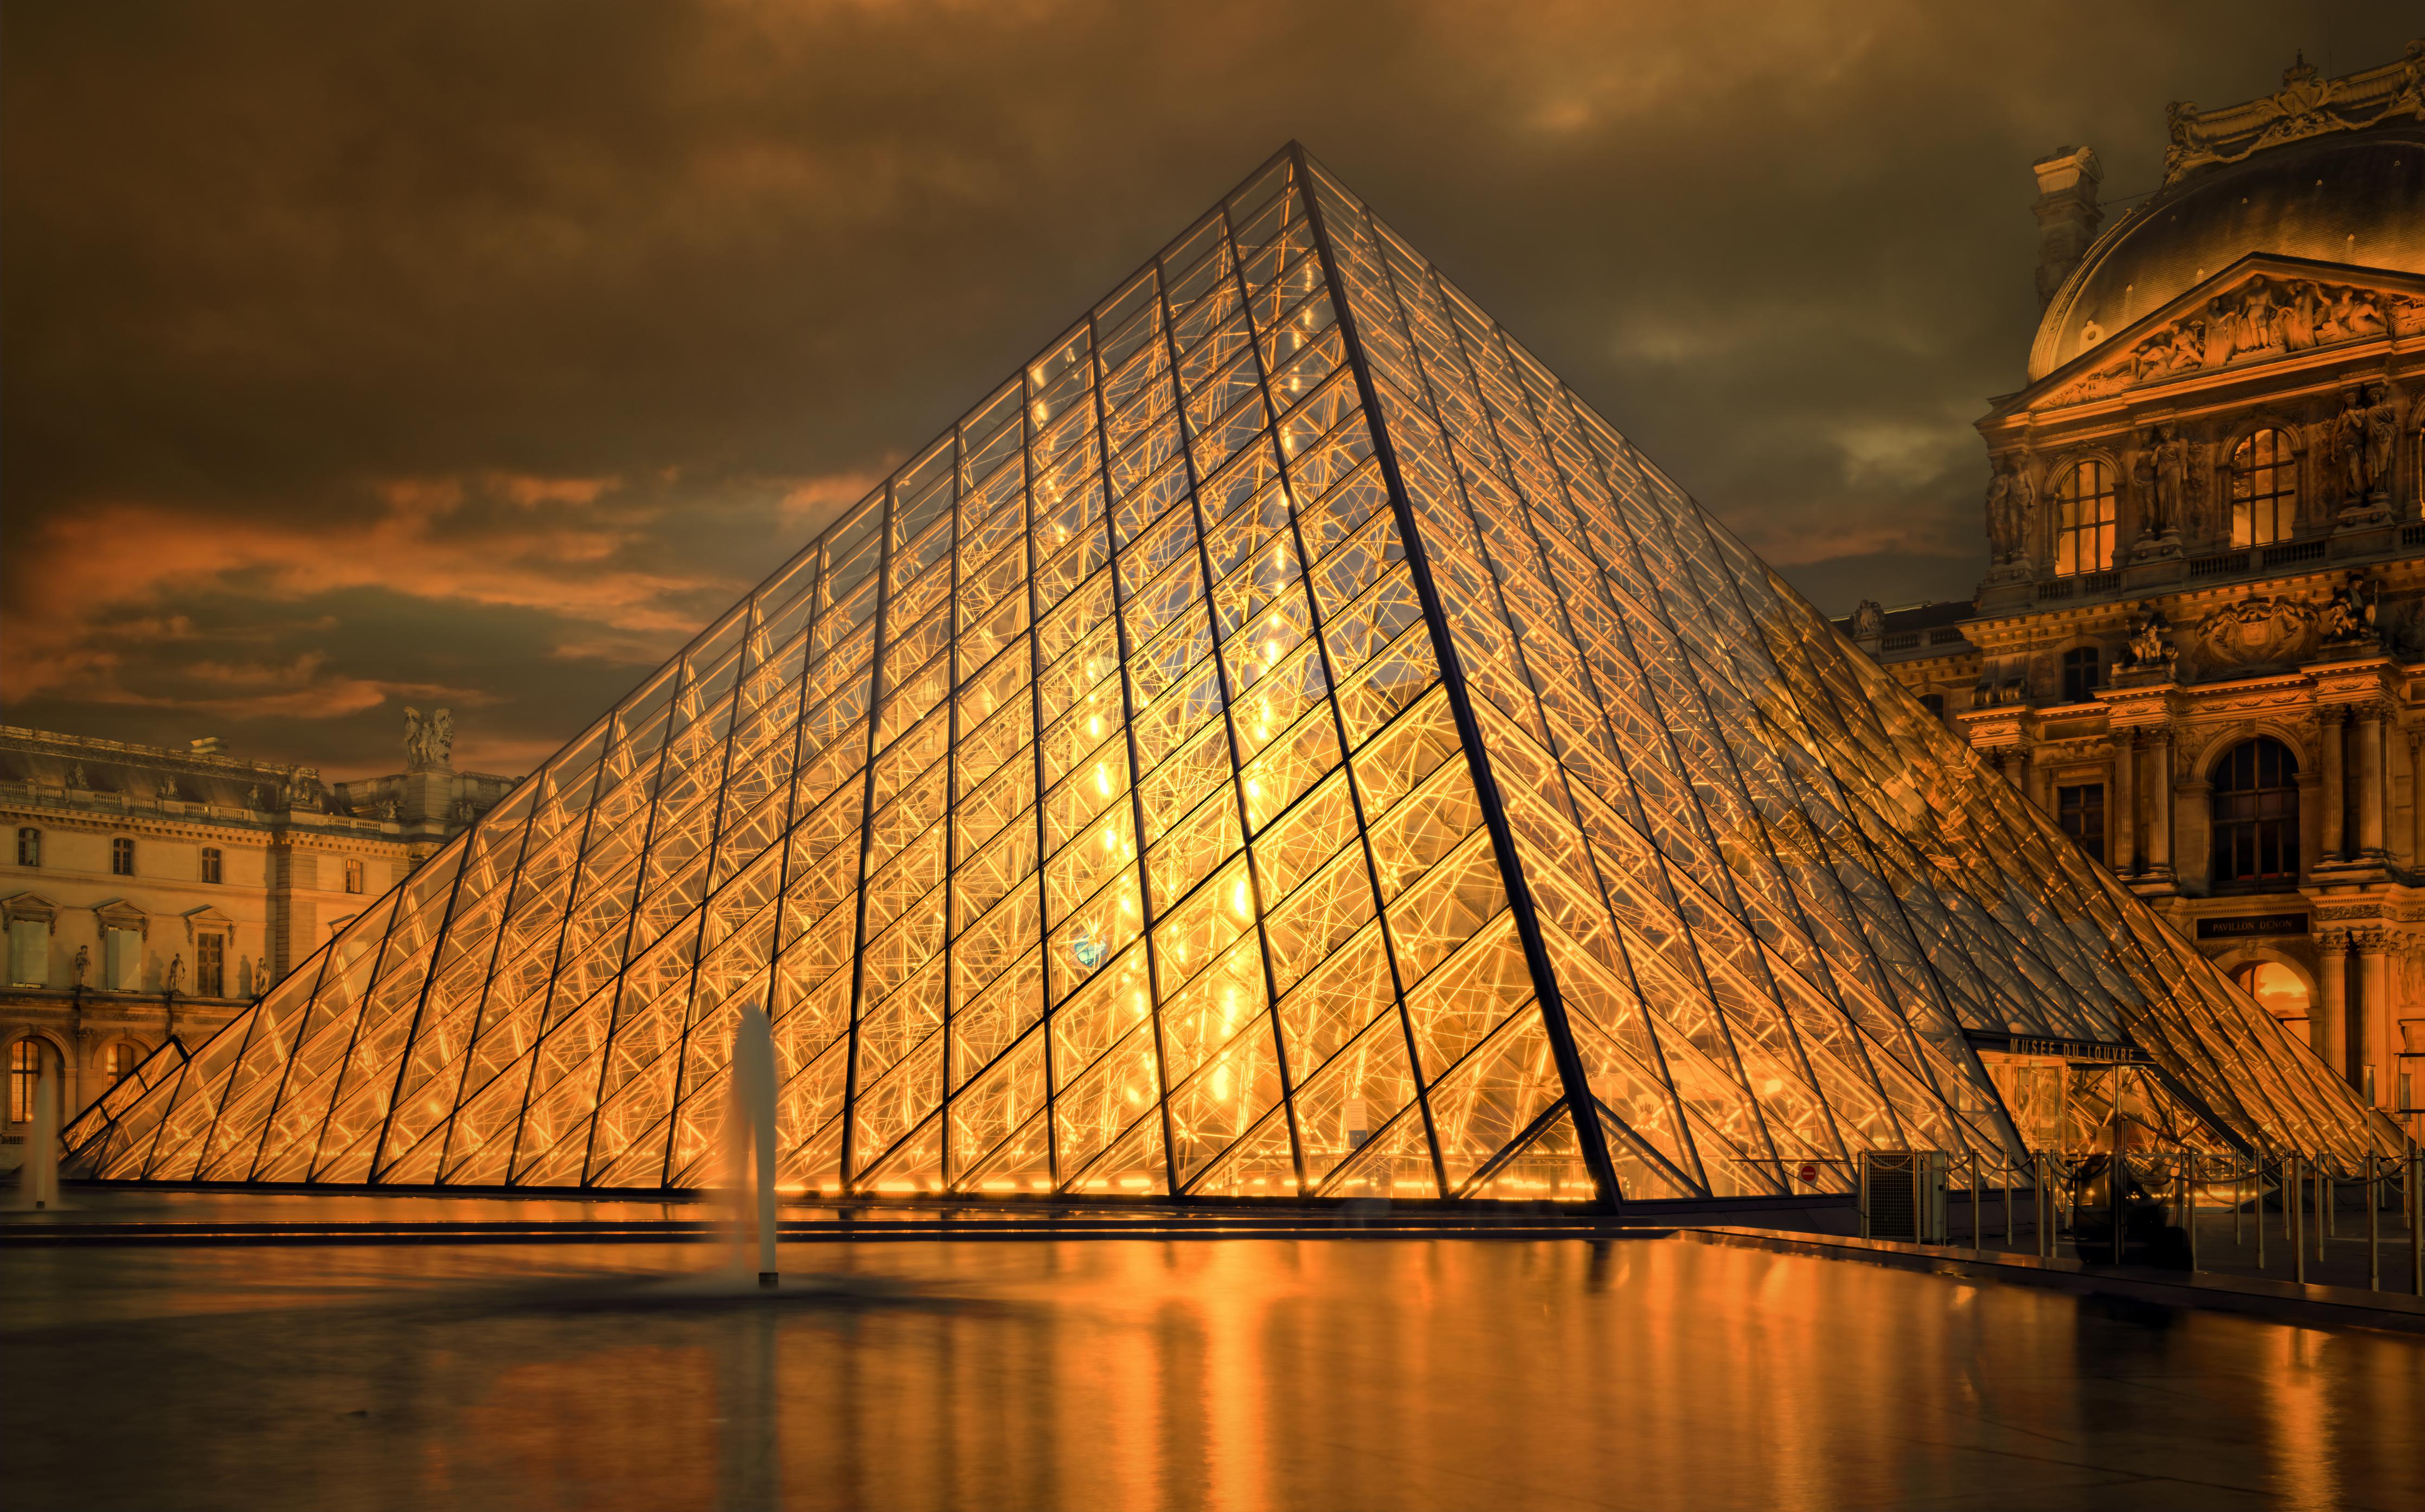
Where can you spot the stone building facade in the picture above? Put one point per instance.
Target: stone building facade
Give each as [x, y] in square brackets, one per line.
[148, 892]
[2201, 640]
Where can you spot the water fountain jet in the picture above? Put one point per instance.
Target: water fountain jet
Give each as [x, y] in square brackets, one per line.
[749, 1129]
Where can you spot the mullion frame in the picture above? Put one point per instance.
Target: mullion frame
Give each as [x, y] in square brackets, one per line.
[875, 701]
[1592, 1138]
[1741, 913]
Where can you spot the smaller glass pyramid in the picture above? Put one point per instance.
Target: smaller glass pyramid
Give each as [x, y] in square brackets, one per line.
[1283, 744]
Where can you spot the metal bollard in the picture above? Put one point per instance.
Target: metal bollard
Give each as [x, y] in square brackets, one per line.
[2189, 1205]
[2412, 1185]
[1978, 1246]
[2373, 1255]
[2004, 1170]
[2295, 1213]
[2257, 1180]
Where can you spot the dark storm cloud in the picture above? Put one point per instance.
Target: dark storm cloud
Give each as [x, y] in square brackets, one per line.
[361, 355]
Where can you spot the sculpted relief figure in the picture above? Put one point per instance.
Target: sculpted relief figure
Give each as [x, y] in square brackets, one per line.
[2004, 521]
[2257, 630]
[428, 743]
[2410, 101]
[2349, 614]
[1869, 619]
[2191, 143]
[2147, 642]
[2296, 322]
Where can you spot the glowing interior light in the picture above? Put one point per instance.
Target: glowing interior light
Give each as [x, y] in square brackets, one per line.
[1111, 840]
[1221, 1082]
[1095, 726]
[1238, 898]
[1103, 779]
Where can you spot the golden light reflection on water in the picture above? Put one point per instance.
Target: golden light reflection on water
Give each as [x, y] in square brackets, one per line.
[1229, 1375]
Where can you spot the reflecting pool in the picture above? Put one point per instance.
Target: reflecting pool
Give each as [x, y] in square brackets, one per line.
[1652, 1372]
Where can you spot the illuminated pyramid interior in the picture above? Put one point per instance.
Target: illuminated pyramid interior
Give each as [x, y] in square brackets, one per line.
[1280, 744]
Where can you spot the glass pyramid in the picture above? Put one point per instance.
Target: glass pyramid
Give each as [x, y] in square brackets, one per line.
[1280, 744]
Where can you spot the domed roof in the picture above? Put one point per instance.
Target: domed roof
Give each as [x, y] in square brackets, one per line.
[2356, 198]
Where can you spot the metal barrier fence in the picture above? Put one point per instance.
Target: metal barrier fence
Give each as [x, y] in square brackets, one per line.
[2155, 1204]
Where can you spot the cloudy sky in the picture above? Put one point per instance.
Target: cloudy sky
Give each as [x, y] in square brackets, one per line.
[353, 356]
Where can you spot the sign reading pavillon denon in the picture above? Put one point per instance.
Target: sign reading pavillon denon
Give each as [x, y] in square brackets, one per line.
[2243, 925]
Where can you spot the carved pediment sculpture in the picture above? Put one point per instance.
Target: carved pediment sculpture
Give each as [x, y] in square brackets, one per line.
[2264, 317]
[2258, 631]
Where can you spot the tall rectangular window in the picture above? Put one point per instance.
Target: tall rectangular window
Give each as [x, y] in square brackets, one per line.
[2264, 489]
[210, 965]
[2080, 811]
[123, 953]
[353, 876]
[211, 863]
[121, 857]
[2084, 521]
[2083, 673]
[29, 953]
[30, 847]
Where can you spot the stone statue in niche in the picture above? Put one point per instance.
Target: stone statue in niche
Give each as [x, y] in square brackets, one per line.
[76, 775]
[2346, 446]
[1869, 619]
[2381, 441]
[2172, 463]
[2143, 490]
[2003, 518]
[82, 964]
[252, 798]
[177, 971]
[259, 974]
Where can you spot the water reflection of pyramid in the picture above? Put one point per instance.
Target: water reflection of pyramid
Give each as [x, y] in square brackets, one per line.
[1279, 742]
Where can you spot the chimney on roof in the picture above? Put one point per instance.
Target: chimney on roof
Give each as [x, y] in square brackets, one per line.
[207, 745]
[2067, 213]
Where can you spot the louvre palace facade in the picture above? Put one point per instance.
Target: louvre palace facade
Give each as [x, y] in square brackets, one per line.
[150, 892]
[2200, 645]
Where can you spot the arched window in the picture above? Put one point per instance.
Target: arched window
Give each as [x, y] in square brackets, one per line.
[124, 1057]
[2083, 533]
[25, 1075]
[121, 857]
[2083, 673]
[2257, 813]
[2278, 991]
[30, 847]
[2264, 488]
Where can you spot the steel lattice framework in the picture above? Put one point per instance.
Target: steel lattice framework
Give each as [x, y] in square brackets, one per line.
[1280, 744]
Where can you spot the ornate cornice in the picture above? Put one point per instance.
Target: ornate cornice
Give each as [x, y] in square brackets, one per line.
[2304, 106]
